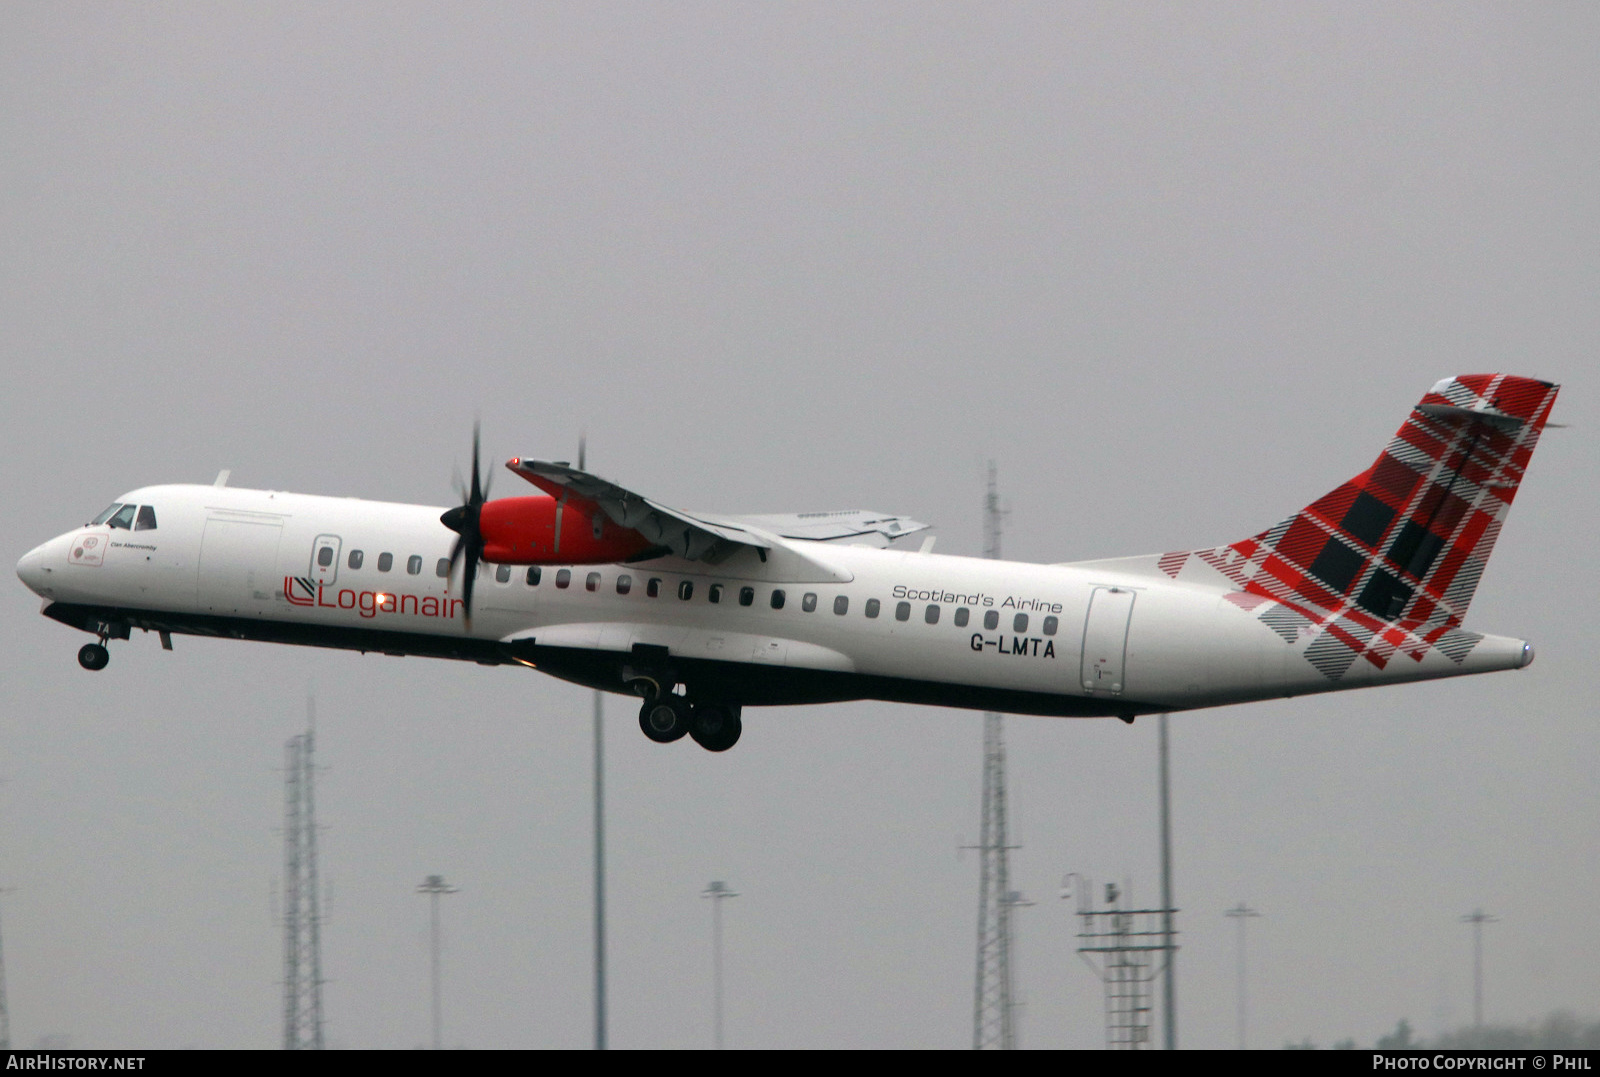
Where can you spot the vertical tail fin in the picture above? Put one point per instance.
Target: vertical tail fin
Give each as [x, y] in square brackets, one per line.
[1398, 550]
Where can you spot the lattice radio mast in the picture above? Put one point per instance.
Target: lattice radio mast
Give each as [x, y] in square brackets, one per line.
[5, 1014]
[993, 1014]
[302, 915]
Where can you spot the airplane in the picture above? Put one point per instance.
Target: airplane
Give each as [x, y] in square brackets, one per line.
[702, 615]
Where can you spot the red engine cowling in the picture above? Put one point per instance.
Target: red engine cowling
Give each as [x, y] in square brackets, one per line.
[522, 531]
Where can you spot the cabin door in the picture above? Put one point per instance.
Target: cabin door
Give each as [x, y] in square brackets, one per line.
[239, 565]
[1105, 640]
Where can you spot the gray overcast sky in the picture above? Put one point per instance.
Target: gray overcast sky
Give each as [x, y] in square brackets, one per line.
[1179, 269]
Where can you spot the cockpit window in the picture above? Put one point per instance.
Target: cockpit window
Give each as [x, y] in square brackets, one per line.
[106, 515]
[147, 518]
[123, 518]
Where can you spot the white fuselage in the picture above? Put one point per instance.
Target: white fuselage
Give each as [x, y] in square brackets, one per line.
[1107, 638]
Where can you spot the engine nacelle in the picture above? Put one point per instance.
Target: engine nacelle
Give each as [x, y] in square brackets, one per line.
[523, 531]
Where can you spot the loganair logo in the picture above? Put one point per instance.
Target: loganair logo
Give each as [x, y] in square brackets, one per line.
[88, 550]
[304, 591]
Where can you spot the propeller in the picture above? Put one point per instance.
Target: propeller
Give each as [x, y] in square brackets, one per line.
[464, 521]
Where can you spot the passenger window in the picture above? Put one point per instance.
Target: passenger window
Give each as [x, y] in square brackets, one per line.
[147, 518]
[106, 515]
[414, 565]
[123, 518]
[385, 562]
[591, 582]
[441, 568]
[777, 600]
[534, 574]
[686, 589]
[715, 594]
[991, 620]
[961, 617]
[931, 615]
[747, 595]
[1050, 626]
[324, 555]
[841, 605]
[502, 574]
[809, 603]
[1019, 623]
[653, 588]
[564, 578]
[624, 584]
[902, 611]
[872, 607]
[355, 559]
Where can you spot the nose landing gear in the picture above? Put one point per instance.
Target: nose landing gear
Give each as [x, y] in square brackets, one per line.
[94, 656]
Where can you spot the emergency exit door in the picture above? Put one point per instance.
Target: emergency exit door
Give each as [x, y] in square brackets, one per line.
[325, 559]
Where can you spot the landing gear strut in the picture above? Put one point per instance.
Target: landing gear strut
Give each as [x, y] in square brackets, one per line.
[93, 656]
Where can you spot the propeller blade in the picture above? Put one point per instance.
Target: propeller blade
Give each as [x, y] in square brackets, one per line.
[464, 520]
[476, 497]
[466, 591]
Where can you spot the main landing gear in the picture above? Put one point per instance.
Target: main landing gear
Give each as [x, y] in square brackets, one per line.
[714, 726]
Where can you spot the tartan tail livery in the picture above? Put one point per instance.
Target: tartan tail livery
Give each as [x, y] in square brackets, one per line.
[1385, 565]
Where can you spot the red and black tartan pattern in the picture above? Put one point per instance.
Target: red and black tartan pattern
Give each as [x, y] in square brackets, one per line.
[1386, 564]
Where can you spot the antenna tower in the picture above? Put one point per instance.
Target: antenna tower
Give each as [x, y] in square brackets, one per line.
[302, 915]
[5, 1014]
[993, 1015]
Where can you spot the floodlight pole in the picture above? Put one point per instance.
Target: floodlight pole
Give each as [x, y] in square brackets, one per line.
[599, 837]
[599, 876]
[1169, 984]
[1477, 918]
[1240, 913]
[718, 892]
[433, 886]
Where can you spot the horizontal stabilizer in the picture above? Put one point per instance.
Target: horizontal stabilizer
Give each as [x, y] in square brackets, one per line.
[1487, 415]
[839, 526]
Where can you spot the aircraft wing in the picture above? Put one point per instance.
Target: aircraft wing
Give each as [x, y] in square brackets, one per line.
[707, 538]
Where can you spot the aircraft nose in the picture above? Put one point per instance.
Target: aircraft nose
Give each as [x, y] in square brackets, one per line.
[32, 570]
